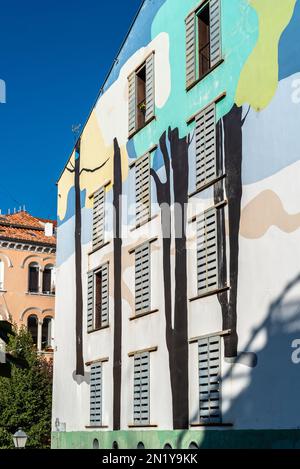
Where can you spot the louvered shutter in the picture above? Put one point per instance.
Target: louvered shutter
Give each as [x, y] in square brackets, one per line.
[104, 296]
[142, 278]
[132, 103]
[215, 32]
[207, 257]
[90, 302]
[142, 189]
[190, 24]
[209, 353]
[98, 218]
[150, 100]
[206, 171]
[141, 398]
[96, 394]
[33, 279]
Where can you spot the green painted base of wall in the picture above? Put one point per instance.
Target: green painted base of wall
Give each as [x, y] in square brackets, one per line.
[206, 439]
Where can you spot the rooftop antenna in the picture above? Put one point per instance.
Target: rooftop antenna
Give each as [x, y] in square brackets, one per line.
[76, 131]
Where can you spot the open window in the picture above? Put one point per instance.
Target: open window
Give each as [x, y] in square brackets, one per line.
[32, 326]
[47, 333]
[203, 40]
[48, 280]
[141, 97]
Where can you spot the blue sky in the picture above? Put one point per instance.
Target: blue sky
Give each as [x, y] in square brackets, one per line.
[54, 56]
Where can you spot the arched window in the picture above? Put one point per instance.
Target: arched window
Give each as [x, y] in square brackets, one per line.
[140, 445]
[33, 283]
[167, 446]
[47, 333]
[193, 445]
[49, 279]
[115, 445]
[32, 326]
[95, 444]
[1, 275]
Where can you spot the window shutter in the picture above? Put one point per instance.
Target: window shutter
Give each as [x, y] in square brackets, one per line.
[209, 352]
[105, 296]
[47, 281]
[98, 218]
[33, 279]
[215, 32]
[142, 278]
[131, 103]
[190, 24]
[207, 261]
[150, 101]
[90, 302]
[206, 147]
[96, 394]
[141, 398]
[142, 189]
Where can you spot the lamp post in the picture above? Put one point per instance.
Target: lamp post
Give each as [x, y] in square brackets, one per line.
[20, 439]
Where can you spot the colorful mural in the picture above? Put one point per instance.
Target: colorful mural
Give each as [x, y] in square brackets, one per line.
[256, 87]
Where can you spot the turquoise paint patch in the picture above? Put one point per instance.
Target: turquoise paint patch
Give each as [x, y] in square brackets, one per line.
[239, 36]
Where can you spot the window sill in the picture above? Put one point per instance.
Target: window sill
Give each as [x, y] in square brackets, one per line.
[201, 424]
[142, 223]
[146, 425]
[206, 186]
[3, 291]
[141, 128]
[142, 315]
[99, 329]
[189, 87]
[51, 295]
[210, 293]
[96, 426]
[98, 248]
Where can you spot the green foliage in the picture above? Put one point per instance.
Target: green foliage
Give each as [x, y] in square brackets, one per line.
[25, 398]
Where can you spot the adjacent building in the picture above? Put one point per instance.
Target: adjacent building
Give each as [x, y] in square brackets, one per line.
[27, 275]
[178, 281]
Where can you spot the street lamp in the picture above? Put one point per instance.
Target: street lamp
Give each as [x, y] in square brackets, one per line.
[20, 439]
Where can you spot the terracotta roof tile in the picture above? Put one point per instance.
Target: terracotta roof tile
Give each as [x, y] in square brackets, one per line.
[22, 226]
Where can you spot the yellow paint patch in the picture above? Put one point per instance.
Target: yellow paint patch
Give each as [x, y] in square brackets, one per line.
[64, 185]
[259, 77]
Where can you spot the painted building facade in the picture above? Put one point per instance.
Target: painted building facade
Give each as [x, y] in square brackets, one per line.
[178, 290]
[27, 276]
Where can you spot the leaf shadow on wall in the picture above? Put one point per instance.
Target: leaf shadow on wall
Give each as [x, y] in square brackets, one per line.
[270, 389]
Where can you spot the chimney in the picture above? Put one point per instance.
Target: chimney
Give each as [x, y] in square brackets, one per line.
[48, 229]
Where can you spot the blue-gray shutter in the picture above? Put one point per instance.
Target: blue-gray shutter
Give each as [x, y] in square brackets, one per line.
[215, 32]
[207, 252]
[141, 389]
[96, 394]
[132, 103]
[150, 85]
[206, 171]
[209, 353]
[142, 278]
[190, 24]
[142, 189]
[98, 218]
[90, 301]
[104, 296]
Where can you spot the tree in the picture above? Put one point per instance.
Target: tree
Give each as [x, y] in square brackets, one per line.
[25, 397]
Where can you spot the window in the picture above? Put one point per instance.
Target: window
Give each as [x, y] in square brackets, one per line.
[98, 299]
[48, 280]
[203, 41]
[32, 326]
[1, 275]
[206, 164]
[33, 286]
[209, 352]
[96, 395]
[141, 95]
[141, 389]
[207, 252]
[98, 218]
[142, 278]
[47, 333]
[142, 189]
